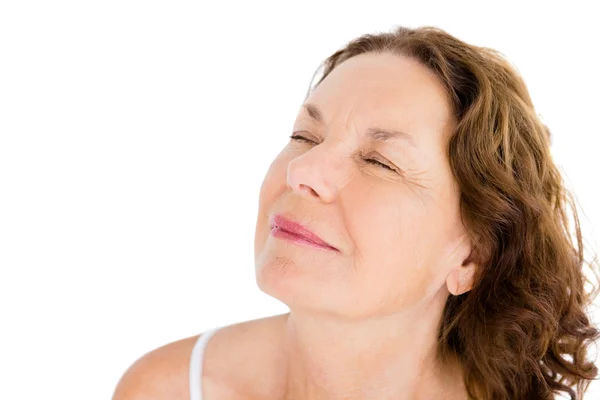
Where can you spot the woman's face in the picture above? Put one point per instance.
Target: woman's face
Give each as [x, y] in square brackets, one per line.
[395, 227]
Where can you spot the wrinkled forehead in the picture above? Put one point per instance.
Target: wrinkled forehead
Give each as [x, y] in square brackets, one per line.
[380, 90]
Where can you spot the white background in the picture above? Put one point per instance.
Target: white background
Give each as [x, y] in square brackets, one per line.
[134, 136]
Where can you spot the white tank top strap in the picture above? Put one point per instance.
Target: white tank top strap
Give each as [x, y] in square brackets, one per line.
[196, 364]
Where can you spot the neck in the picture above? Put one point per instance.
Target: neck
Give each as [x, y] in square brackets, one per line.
[382, 357]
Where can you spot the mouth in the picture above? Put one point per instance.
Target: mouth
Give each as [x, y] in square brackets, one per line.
[287, 229]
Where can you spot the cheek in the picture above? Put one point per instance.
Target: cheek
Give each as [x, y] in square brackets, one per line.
[396, 242]
[274, 183]
[384, 223]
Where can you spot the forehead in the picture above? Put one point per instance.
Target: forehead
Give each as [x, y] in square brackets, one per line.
[382, 89]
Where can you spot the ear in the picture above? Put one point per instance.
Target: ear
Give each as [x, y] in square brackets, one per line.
[460, 278]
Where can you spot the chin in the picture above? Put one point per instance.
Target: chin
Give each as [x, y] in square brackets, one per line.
[294, 285]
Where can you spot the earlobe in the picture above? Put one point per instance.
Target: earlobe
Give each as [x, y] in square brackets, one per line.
[452, 282]
[460, 279]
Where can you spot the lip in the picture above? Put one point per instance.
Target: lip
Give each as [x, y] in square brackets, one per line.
[290, 229]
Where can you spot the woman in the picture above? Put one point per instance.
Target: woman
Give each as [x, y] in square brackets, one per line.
[416, 226]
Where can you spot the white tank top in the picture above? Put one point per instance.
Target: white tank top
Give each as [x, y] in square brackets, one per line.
[196, 364]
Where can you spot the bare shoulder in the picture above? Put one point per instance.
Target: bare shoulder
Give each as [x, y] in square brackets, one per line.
[231, 359]
[159, 374]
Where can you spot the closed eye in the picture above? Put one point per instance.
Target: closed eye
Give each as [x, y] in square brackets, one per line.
[301, 138]
[378, 163]
[367, 160]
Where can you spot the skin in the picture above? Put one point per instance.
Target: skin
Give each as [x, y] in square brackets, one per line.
[363, 320]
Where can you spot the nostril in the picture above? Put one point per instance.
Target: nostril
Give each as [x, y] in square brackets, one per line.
[308, 189]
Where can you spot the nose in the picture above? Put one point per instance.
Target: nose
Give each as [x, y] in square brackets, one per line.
[316, 175]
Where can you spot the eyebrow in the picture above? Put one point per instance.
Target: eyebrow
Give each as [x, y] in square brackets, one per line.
[384, 135]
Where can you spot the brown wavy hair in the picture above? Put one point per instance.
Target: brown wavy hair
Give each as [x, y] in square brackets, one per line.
[522, 331]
